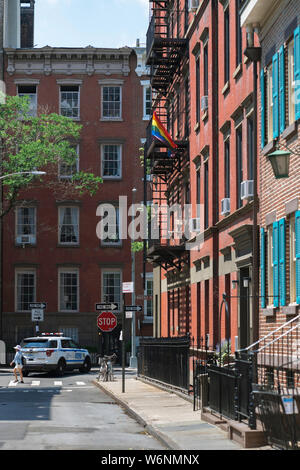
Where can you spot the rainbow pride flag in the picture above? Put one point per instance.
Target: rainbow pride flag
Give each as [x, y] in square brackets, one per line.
[160, 133]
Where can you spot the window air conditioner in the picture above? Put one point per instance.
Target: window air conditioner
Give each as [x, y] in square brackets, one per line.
[225, 206]
[247, 189]
[26, 239]
[195, 225]
[193, 4]
[204, 103]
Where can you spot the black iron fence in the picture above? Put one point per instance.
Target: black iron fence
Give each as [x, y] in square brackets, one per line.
[165, 360]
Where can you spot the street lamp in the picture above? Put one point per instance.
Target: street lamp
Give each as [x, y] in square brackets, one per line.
[280, 161]
[34, 172]
[133, 359]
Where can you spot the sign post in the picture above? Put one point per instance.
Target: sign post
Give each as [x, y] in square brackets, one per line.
[37, 313]
[127, 288]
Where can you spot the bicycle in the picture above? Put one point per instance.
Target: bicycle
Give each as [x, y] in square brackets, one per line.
[106, 373]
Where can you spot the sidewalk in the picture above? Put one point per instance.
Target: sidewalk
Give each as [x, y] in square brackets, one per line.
[166, 415]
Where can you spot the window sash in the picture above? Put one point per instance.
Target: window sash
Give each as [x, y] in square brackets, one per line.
[68, 290]
[26, 221]
[111, 161]
[111, 286]
[69, 225]
[291, 82]
[292, 232]
[270, 265]
[148, 308]
[111, 102]
[113, 228]
[25, 290]
[67, 171]
[270, 102]
[70, 102]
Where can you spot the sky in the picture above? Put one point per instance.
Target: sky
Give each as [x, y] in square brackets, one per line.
[99, 23]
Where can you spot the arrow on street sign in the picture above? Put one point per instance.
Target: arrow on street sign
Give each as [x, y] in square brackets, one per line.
[108, 306]
[133, 308]
[41, 305]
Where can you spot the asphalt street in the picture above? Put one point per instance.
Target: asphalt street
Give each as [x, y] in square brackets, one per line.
[68, 413]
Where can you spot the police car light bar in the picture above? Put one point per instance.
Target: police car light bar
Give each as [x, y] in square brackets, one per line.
[52, 334]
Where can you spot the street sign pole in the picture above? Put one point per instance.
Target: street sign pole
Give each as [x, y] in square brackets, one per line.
[123, 345]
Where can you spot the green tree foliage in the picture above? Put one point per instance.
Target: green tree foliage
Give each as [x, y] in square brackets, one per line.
[43, 142]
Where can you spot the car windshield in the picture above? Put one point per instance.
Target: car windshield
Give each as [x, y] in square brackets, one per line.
[38, 343]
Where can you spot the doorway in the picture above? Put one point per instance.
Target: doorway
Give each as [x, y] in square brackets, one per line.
[244, 308]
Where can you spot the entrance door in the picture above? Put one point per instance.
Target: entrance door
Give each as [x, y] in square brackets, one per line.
[244, 309]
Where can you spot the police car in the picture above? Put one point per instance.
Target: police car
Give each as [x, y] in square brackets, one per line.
[53, 352]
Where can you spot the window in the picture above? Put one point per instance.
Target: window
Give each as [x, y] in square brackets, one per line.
[69, 290]
[250, 147]
[111, 229]
[67, 171]
[226, 46]
[187, 106]
[69, 225]
[198, 90]
[111, 286]
[69, 101]
[198, 191]
[227, 169]
[238, 34]
[205, 75]
[111, 161]
[270, 102]
[239, 164]
[147, 102]
[291, 83]
[25, 225]
[29, 91]
[206, 192]
[148, 305]
[111, 102]
[270, 265]
[292, 260]
[25, 289]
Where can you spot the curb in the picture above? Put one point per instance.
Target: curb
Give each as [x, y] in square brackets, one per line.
[167, 442]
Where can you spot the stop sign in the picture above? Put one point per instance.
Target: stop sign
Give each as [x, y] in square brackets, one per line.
[107, 321]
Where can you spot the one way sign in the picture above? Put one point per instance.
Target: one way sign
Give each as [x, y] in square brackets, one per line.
[38, 305]
[108, 306]
[133, 308]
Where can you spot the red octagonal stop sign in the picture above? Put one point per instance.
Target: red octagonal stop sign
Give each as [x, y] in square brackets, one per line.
[107, 321]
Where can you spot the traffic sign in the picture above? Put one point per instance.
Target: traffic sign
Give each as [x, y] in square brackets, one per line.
[37, 314]
[127, 287]
[108, 306]
[133, 308]
[41, 305]
[107, 321]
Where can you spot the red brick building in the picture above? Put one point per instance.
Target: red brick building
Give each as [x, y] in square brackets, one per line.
[51, 250]
[204, 86]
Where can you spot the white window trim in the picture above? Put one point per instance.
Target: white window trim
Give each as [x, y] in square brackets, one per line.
[68, 177]
[270, 103]
[24, 271]
[111, 271]
[30, 94]
[16, 223]
[148, 319]
[59, 228]
[102, 161]
[291, 85]
[270, 266]
[79, 89]
[145, 84]
[108, 118]
[68, 270]
[292, 236]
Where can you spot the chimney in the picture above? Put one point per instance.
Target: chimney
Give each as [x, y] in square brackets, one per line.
[27, 23]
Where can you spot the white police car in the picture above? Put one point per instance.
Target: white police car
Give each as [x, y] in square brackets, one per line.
[53, 352]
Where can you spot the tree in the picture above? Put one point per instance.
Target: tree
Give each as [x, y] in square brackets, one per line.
[42, 142]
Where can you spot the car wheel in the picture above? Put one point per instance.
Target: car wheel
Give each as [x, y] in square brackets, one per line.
[61, 367]
[86, 367]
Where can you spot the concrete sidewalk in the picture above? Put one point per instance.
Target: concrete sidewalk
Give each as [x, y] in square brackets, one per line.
[166, 415]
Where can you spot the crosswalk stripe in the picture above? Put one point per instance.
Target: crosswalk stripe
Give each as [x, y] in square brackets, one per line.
[35, 383]
[58, 383]
[12, 384]
[80, 383]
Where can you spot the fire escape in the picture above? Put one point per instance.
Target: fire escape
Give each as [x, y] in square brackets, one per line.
[164, 168]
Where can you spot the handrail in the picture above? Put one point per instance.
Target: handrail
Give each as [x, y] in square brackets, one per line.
[278, 338]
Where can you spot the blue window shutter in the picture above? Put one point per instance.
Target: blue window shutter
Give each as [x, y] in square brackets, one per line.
[263, 268]
[282, 88]
[275, 265]
[263, 121]
[297, 249]
[297, 71]
[282, 262]
[275, 97]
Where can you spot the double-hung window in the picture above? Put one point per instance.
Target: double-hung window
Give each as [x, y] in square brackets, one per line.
[25, 225]
[226, 46]
[69, 289]
[111, 228]
[270, 102]
[292, 259]
[111, 102]
[270, 265]
[66, 171]
[69, 225]
[29, 91]
[148, 306]
[291, 82]
[111, 161]
[111, 286]
[70, 101]
[25, 289]
[147, 102]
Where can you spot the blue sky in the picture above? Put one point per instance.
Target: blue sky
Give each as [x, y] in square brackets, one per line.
[99, 23]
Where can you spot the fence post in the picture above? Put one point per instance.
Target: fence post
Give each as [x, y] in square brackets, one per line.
[252, 414]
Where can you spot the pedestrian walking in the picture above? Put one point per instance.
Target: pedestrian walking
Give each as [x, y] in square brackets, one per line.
[18, 364]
